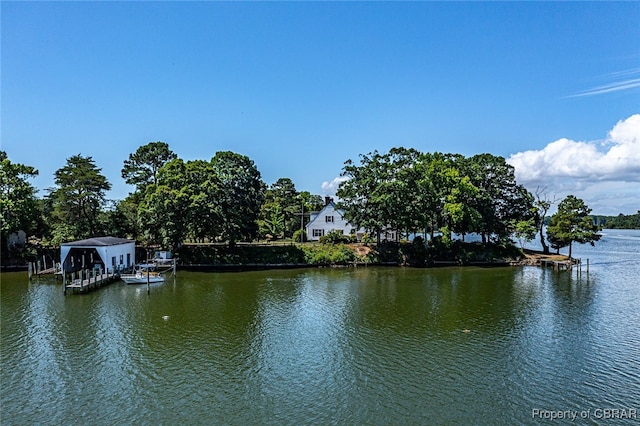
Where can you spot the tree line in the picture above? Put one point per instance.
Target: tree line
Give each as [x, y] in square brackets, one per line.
[222, 199]
[418, 192]
[225, 200]
[621, 221]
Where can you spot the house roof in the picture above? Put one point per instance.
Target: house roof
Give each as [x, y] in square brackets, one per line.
[99, 242]
[317, 215]
[330, 204]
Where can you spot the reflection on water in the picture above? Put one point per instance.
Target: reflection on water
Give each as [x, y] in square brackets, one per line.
[318, 346]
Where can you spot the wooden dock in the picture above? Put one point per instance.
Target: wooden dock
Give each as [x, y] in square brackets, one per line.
[89, 280]
[38, 268]
[557, 265]
[564, 265]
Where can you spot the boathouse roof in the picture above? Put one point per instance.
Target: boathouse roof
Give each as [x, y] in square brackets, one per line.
[99, 242]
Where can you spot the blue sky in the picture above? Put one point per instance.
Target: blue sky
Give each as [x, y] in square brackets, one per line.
[302, 87]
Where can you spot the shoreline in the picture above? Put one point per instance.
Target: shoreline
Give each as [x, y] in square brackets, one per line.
[532, 258]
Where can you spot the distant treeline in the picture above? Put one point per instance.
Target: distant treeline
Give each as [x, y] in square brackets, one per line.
[621, 221]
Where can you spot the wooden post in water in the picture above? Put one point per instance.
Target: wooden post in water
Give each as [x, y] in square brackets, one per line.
[148, 287]
[580, 266]
[64, 281]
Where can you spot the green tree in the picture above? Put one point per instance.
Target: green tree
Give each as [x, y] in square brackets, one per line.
[240, 197]
[459, 205]
[272, 223]
[363, 196]
[409, 191]
[401, 184]
[572, 223]
[205, 216]
[18, 203]
[500, 200]
[120, 218]
[164, 210]
[282, 197]
[524, 230]
[434, 185]
[141, 169]
[311, 202]
[78, 199]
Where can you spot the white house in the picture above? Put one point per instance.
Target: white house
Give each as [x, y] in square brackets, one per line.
[107, 253]
[330, 218]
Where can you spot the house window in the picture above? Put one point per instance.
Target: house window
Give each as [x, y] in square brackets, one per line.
[328, 219]
[318, 232]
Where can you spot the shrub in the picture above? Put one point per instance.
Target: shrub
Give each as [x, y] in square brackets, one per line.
[367, 239]
[335, 237]
[328, 254]
[300, 236]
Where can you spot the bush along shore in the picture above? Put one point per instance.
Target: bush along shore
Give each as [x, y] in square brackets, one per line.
[221, 257]
[244, 257]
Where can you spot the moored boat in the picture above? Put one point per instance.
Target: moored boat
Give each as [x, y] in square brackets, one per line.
[142, 274]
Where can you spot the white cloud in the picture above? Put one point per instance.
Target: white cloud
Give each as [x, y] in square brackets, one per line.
[330, 188]
[565, 158]
[576, 167]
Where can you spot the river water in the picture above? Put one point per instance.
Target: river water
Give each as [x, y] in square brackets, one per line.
[375, 346]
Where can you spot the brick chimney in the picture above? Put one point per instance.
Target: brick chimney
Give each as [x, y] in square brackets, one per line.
[327, 200]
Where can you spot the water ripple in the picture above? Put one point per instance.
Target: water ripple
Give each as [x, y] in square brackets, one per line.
[352, 346]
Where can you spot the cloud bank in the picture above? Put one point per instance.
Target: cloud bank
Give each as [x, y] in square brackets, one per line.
[604, 173]
[617, 158]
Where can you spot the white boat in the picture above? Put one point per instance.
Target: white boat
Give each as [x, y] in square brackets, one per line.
[142, 274]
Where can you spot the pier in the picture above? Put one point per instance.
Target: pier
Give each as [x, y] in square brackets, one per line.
[43, 268]
[557, 265]
[88, 280]
[565, 265]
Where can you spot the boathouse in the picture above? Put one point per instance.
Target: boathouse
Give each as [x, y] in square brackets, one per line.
[108, 254]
